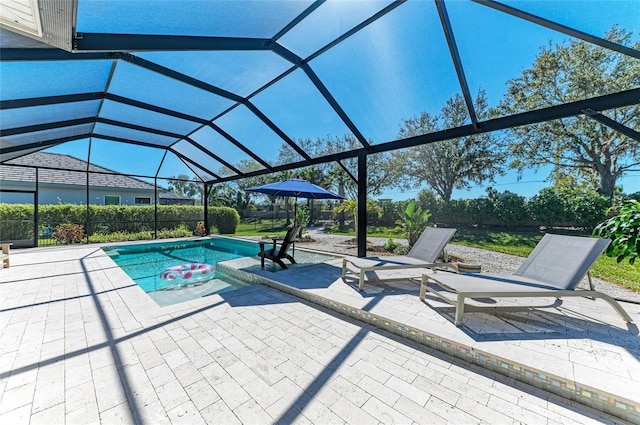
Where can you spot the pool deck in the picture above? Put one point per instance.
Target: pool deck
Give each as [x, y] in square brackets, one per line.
[81, 343]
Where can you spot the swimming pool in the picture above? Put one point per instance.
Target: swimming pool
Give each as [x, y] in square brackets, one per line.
[146, 264]
[151, 264]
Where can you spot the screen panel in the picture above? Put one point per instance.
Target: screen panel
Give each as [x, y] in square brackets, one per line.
[23, 80]
[133, 115]
[244, 126]
[385, 73]
[150, 87]
[241, 72]
[21, 117]
[238, 18]
[296, 106]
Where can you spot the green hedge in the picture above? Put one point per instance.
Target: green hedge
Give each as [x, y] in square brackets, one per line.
[17, 219]
[16, 222]
[547, 208]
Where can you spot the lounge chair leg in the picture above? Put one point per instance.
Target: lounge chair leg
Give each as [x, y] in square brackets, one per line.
[290, 258]
[423, 287]
[616, 306]
[459, 309]
[344, 267]
[361, 282]
[261, 254]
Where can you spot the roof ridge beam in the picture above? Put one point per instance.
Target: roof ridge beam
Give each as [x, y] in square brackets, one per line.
[27, 55]
[137, 127]
[105, 42]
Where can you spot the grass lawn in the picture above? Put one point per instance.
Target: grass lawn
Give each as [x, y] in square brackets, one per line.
[261, 227]
[514, 242]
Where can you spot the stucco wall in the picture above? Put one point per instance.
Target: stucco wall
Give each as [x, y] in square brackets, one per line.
[63, 194]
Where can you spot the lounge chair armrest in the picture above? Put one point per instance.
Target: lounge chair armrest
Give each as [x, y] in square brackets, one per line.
[446, 266]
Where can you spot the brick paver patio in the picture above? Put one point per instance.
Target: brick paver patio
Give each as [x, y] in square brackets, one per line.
[81, 343]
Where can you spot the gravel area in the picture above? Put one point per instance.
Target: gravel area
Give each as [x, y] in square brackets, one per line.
[491, 261]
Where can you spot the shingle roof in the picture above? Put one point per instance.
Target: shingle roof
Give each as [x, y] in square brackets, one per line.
[67, 162]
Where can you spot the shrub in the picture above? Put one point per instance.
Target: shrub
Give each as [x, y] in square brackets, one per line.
[67, 233]
[428, 201]
[589, 209]
[401, 250]
[415, 220]
[226, 219]
[624, 230]
[479, 210]
[510, 208]
[452, 211]
[390, 245]
[200, 229]
[389, 214]
[548, 207]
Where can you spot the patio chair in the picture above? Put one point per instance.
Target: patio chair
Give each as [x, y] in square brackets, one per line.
[423, 254]
[277, 255]
[553, 269]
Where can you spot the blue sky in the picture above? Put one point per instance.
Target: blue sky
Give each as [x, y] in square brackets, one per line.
[392, 70]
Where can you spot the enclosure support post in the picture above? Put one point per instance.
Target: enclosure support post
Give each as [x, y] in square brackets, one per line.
[205, 200]
[361, 231]
[155, 207]
[36, 219]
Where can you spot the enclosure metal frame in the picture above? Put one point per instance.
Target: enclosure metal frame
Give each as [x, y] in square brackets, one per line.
[122, 47]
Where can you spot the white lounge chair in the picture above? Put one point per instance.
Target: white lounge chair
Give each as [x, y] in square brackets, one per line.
[423, 254]
[553, 269]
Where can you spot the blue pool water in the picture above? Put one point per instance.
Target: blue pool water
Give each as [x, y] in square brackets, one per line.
[146, 263]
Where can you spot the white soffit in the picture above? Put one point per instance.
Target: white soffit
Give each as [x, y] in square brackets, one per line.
[49, 21]
[22, 15]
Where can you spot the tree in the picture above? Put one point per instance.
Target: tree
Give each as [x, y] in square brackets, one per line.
[577, 145]
[450, 164]
[350, 206]
[243, 198]
[185, 187]
[379, 174]
[222, 195]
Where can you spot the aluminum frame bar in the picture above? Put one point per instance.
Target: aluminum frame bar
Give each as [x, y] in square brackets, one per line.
[457, 62]
[560, 28]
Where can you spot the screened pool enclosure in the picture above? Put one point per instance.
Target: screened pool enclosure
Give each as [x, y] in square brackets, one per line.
[218, 90]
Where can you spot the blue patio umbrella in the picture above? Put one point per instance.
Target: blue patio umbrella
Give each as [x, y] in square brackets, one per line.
[297, 188]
